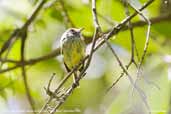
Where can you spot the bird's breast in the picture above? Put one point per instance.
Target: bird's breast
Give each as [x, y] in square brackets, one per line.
[73, 51]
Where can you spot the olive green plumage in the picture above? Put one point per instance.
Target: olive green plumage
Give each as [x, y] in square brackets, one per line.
[72, 47]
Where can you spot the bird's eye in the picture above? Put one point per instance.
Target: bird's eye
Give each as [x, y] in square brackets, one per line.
[72, 31]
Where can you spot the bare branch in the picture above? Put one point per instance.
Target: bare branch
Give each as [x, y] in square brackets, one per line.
[147, 39]
[69, 91]
[61, 84]
[140, 92]
[18, 32]
[31, 61]
[133, 45]
[94, 12]
[115, 82]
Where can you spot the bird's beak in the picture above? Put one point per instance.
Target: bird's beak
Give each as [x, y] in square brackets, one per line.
[80, 30]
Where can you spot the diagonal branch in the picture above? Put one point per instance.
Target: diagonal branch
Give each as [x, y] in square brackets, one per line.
[61, 84]
[133, 45]
[18, 32]
[140, 92]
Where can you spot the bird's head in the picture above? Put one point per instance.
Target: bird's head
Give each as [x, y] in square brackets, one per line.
[74, 32]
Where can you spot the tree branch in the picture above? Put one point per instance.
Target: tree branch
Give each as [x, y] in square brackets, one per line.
[114, 31]
[18, 32]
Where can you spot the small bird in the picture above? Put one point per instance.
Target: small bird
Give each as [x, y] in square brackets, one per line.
[73, 49]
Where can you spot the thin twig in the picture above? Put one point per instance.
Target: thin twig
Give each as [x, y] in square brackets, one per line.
[133, 45]
[50, 81]
[140, 92]
[132, 51]
[69, 91]
[97, 30]
[48, 91]
[30, 62]
[145, 45]
[94, 13]
[147, 39]
[61, 84]
[8, 61]
[9, 42]
[117, 80]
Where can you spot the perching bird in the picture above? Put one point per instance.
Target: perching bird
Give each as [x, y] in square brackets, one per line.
[73, 49]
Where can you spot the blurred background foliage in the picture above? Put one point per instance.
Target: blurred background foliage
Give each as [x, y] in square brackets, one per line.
[90, 98]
